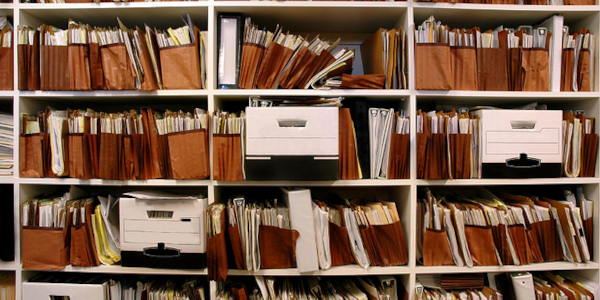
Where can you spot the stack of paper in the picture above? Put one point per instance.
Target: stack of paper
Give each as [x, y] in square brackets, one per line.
[6, 144]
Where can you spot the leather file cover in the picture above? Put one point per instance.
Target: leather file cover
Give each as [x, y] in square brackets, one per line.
[399, 163]
[180, 66]
[235, 245]
[583, 71]
[80, 163]
[371, 81]
[51, 254]
[23, 54]
[116, 66]
[481, 245]
[550, 241]
[390, 243]
[291, 77]
[460, 155]
[55, 68]
[422, 139]
[277, 247]
[252, 55]
[515, 72]
[31, 155]
[590, 153]
[227, 157]
[79, 67]
[567, 64]
[368, 237]
[82, 253]
[216, 254]
[348, 165]
[492, 73]
[150, 82]
[536, 70]
[96, 72]
[323, 60]
[153, 162]
[109, 156]
[6, 68]
[464, 68]
[436, 248]
[272, 65]
[339, 244]
[433, 67]
[188, 154]
[518, 237]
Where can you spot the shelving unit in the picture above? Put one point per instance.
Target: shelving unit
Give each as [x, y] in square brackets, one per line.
[353, 22]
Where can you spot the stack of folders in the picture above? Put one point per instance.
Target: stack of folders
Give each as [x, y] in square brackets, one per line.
[57, 286]
[367, 233]
[563, 285]
[273, 59]
[375, 287]
[77, 231]
[580, 145]
[449, 286]
[384, 55]
[86, 58]
[389, 143]
[500, 228]
[228, 131]
[7, 286]
[447, 145]
[6, 54]
[6, 144]
[122, 146]
[577, 57]
[496, 60]
[259, 234]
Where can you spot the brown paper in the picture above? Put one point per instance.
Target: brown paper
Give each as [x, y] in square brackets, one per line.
[31, 155]
[277, 247]
[6, 68]
[51, 254]
[348, 165]
[79, 67]
[116, 67]
[436, 248]
[567, 64]
[391, 244]
[536, 70]
[55, 68]
[339, 243]
[252, 55]
[583, 71]
[464, 68]
[227, 157]
[96, 72]
[272, 65]
[235, 244]
[399, 162]
[433, 67]
[180, 67]
[492, 73]
[481, 245]
[188, 152]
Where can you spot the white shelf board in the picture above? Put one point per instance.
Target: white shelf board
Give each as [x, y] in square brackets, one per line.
[111, 5]
[323, 93]
[504, 7]
[133, 270]
[523, 181]
[511, 95]
[7, 180]
[6, 94]
[312, 4]
[86, 95]
[349, 183]
[101, 182]
[8, 266]
[530, 267]
[351, 270]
